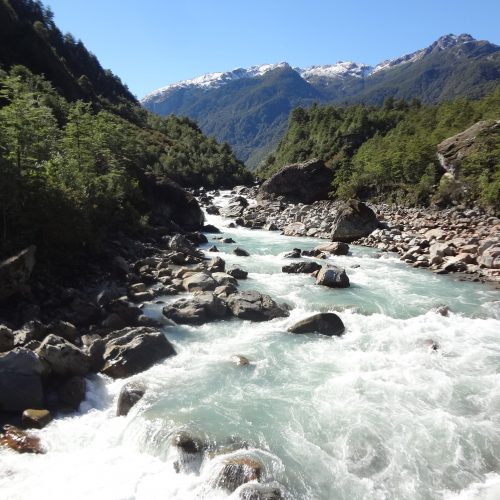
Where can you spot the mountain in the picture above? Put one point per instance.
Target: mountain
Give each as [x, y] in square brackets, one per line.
[249, 108]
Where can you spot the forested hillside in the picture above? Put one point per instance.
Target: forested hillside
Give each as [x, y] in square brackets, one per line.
[389, 152]
[75, 146]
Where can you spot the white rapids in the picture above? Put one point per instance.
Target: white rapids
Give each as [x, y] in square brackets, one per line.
[374, 415]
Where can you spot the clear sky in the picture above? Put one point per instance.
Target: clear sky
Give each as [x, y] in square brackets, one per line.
[151, 43]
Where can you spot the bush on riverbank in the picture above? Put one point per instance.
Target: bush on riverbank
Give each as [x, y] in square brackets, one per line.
[388, 153]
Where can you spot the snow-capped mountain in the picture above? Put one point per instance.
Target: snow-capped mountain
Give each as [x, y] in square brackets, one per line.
[252, 116]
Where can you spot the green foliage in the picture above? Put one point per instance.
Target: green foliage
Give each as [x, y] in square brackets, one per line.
[72, 172]
[389, 152]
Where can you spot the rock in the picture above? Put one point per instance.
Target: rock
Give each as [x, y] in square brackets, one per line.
[333, 277]
[32, 330]
[64, 329]
[225, 290]
[354, 220]
[209, 228]
[138, 288]
[238, 471]
[199, 282]
[36, 419]
[295, 229]
[15, 273]
[212, 210]
[224, 279]
[238, 273]
[334, 248]
[187, 443]
[20, 441]
[6, 339]
[217, 265]
[490, 257]
[171, 202]
[180, 243]
[271, 226]
[443, 310]
[133, 350]
[201, 308]
[325, 323]
[240, 360]
[197, 238]
[213, 248]
[294, 254]
[435, 234]
[240, 252]
[129, 395]
[21, 380]
[453, 151]
[257, 491]
[72, 392]
[301, 267]
[228, 240]
[63, 357]
[299, 183]
[255, 306]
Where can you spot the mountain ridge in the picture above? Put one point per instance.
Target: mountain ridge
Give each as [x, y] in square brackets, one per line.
[226, 104]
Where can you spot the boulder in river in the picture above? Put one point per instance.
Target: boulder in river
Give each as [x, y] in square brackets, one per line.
[199, 282]
[255, 306]
[201, 308]
[301, 267]
[63, 357]
[334, 248]
[36, 419]
[293, 254]
[6, 339]
[133, 350]
[72, 392]
[238, 273]
[256, 491]
[299, 183]
[325, 323]
[237, 471]
[21, 380]
[333, 277]
[20, 441]
[240, 252]
[129, 395]
[354, 220]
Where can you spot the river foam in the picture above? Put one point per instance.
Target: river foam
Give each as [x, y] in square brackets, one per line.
[376, 414]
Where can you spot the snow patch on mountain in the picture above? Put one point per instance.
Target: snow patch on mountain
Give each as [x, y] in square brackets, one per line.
[342, 69]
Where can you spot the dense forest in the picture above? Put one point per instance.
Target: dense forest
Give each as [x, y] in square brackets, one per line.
[389, 152]
[75, 148]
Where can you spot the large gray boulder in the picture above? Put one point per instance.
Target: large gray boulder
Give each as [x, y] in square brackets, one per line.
[325, 323]
[301, 267]
[354, 220]
[21, 372]
[6, 339]
[133, 350]
[129, 395]
[199, 309]
[454, 150]
[255, 306]
[334, 248]
[332, 277]
[199, 282]
[63, 357]
[305, 182]
[15, 273]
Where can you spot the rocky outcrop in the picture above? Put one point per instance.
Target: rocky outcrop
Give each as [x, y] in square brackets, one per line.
[21, 380]
[15, 273]
[63, 357]
[199, 309]
[129, 395]
[452, 151]
[332, 277]
[299, 183]
[325, 323]
[133, 350]
[255, 306]
[171, 202]
[301, 267]
[354, 220]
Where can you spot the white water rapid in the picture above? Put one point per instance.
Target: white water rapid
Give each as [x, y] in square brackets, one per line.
[373, 415]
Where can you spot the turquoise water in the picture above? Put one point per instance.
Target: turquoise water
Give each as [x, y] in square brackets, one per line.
[375, 414]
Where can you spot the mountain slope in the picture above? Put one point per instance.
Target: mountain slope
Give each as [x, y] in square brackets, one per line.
[249, 108]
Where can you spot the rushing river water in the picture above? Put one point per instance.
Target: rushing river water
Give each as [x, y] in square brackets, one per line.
[376, 414]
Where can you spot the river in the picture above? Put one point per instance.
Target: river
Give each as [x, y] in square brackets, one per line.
[375, 414]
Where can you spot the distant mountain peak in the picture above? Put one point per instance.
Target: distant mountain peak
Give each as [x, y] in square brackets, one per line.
[215, 80]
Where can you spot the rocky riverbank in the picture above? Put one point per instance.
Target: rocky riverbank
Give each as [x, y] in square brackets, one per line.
[455, 240]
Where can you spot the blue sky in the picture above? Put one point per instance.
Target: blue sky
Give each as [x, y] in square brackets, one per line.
[152, 43]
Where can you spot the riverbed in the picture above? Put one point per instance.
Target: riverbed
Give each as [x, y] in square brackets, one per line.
[375, 414]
